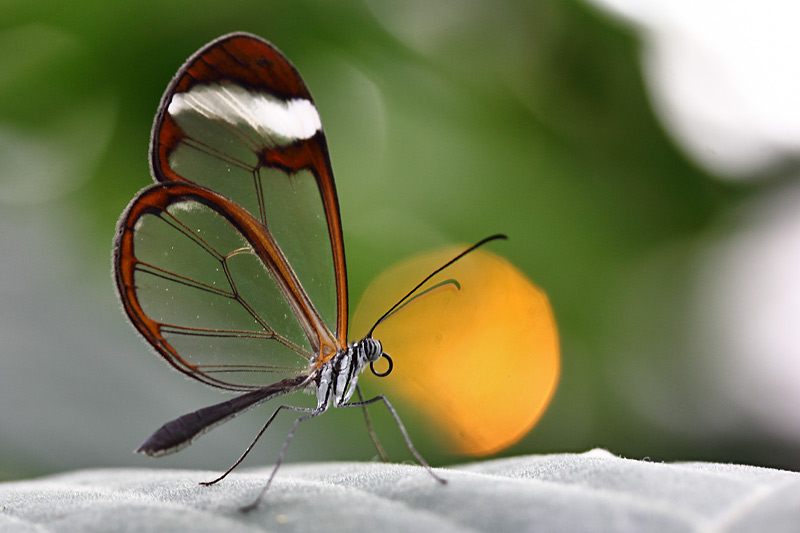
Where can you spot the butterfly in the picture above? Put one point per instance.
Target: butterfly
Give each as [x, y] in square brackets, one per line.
[232, 265]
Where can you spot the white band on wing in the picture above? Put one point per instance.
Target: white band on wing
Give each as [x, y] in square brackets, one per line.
[292, 120]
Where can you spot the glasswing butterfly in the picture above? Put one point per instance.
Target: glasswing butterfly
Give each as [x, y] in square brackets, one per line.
[232, 264]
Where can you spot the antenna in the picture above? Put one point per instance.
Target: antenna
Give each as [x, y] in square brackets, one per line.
[410, 293]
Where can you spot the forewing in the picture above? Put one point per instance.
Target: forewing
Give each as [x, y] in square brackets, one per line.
[238, 119]
[208, 287]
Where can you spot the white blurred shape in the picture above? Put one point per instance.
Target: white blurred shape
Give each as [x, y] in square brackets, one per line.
[748, 312]
[724, 77]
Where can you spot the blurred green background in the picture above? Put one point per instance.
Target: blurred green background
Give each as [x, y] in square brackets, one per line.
[446, 122]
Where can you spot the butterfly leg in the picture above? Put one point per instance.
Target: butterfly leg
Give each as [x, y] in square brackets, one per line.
[253, 442]
[402, 428]
[311, 414]
[370, 429]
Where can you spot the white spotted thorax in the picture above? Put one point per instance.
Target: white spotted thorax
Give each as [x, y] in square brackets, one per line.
[338, 377]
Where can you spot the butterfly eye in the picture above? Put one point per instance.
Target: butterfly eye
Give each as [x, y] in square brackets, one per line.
[372, 349]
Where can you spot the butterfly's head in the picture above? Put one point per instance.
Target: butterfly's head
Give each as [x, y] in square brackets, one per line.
[372, 351]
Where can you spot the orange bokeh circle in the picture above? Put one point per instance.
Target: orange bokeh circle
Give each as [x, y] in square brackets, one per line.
[479, 360]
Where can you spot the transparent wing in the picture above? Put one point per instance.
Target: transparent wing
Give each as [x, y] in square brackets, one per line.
[239, 120]
[209, 288]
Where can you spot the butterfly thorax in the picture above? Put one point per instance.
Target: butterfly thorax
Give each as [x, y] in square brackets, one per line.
[337, 378]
